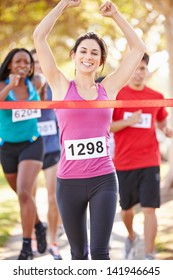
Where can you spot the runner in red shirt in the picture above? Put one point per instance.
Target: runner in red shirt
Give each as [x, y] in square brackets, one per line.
[137, 158]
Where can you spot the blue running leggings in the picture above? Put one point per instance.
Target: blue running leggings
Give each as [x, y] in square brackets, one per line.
[74, 196]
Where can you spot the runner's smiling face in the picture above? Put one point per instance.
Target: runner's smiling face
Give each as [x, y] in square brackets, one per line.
[20, 64]
[88, 56]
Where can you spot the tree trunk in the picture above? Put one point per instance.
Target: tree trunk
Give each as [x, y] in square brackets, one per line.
[168, 180]
[165, 7]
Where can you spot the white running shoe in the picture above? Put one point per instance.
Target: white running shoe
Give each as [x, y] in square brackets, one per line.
[149, 256]
[130, 248]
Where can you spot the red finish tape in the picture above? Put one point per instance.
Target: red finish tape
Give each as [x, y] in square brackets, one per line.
[85, 104]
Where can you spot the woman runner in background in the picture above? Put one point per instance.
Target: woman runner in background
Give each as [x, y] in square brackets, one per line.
[21, 143]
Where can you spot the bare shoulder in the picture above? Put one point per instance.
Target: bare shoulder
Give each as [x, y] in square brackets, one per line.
[110, 86]
[60, 88]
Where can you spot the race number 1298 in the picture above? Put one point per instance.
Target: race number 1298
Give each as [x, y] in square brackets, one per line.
[85, 148]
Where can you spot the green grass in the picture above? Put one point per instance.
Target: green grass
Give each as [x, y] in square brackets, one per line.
[9, 216]
[9, 208]
[164, 244]
[3, 182]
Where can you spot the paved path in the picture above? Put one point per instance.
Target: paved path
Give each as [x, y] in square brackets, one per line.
[12, 248]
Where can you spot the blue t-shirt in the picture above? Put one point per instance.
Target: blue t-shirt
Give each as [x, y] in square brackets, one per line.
[48, 127]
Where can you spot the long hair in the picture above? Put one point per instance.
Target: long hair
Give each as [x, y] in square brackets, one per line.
[5, 71]
[100, 42]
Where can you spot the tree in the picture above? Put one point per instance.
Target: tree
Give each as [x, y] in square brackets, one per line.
[165, 7]
[20, 17]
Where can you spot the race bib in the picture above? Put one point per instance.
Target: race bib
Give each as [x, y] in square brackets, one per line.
[47, 128]
[145, 120]
[85, 148]
[25, 114]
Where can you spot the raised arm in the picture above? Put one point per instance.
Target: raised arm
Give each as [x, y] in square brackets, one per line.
[4, 89]
[117, 79]
[56, 79]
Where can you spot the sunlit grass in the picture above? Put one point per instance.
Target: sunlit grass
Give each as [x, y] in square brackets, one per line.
[3, 183]
[9, 216]
[9, 210]
[164, 244]
[9, 207]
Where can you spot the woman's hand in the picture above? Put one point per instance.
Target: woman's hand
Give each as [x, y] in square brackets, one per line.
[108, 9]
[72, 3]
[14, 80]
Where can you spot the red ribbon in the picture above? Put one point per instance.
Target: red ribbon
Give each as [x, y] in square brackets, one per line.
[85, 104]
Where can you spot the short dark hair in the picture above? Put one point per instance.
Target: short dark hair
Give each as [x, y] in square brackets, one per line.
[146, 58]
[33, 51]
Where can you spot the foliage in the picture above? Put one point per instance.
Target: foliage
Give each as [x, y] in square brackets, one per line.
[9, 208]
[20, 17]
[9, 216]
